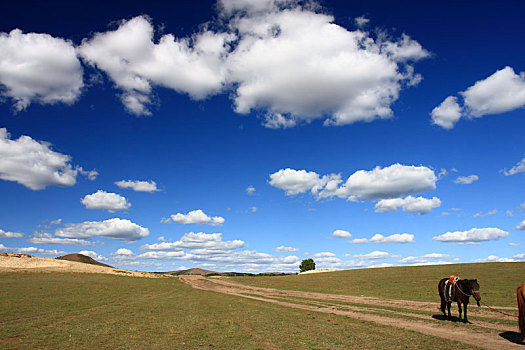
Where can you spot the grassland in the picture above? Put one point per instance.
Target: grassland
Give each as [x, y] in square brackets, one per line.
[498, 281]
[118, 312]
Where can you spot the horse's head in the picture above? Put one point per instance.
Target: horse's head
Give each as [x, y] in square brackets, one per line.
[474, 289]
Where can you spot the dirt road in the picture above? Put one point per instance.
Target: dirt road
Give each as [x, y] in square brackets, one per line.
[416, 316]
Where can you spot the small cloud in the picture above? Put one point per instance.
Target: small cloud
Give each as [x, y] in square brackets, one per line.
[250, 190]
[105, 200]
[495, 258]
[195, 217]
[520, 226]
[378, 238]
[341, 234]
[324, 255]
[139, 186]
[509, 213]
[253, 209]
[286, 249]
[4, 234]
[480, 214]
[161, 239]
[374, 255]
[466, 180]
[514, 244]
[472, 236]
[361, 21]
[518, 168]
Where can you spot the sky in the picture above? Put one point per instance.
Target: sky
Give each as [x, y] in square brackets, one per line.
[249, 135]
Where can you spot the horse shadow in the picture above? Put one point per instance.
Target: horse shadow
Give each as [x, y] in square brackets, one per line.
[513, 337]
[442, 317]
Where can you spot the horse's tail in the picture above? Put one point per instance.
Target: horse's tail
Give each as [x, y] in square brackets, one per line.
[521, 307]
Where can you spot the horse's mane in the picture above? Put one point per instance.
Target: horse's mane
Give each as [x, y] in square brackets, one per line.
[521, 306]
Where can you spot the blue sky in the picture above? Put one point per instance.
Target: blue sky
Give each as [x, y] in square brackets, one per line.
[247, 136]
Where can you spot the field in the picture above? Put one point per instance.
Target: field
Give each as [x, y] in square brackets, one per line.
[498, 281]
[64, 310]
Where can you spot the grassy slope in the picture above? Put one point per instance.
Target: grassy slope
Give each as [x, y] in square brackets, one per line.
[105, 311]
[498, 281]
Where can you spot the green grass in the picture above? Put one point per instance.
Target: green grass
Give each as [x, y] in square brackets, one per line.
[103, 311]
[498, 281]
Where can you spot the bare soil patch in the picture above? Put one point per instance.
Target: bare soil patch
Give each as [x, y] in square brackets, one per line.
[25, 262]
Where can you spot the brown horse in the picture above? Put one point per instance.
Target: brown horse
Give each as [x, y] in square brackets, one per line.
[521, 308]
[463, 289]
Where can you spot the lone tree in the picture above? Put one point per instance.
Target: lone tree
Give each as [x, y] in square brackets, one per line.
[307, 265]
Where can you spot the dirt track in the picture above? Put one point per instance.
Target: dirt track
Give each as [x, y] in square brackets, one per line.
[483, 333]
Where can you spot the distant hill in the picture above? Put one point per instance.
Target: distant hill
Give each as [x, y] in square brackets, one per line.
[194, 271]
[202, 272]
[82, 258]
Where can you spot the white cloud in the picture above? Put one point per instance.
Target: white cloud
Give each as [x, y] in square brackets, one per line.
[253, 209]
[120, 229]
[378, 238]
[55, 222]
[294, 181]
[520, 226]
[197, 217]
[361, 21]
[346, 76]
[324, 255]
[31, 250]
[104, 200]
[514, 244]
[503, 91]
[93, 255]
[489, 213]
[473, 235]
[250, 190]
[91, 174]
[389, 182]
[447, 113]
[409, 204]
[199, 240]
[425, 259]
[509, 213]
[342, 234]
[139, 186]
[495, 258]
[33, 163]
[466, 180]
[123, 252]
[279, 121]
[286, 249]
[38, 68]
[4, 234]
[375, 255]
[47, 238]
[201, 248]
[380, 183]
[519, 256]
[518, 168]
[135, 62]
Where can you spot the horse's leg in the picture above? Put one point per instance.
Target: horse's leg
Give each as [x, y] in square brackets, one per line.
[465, 319]
[459, 308]
[448, 309]
[443, 306]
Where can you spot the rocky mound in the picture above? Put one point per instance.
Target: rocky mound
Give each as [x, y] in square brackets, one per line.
[82, 258]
